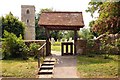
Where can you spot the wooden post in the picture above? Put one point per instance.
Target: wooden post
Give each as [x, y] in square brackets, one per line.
[62, 50]
[75, 40]
[38, 60]
[47, 41]
[66, 48]
[71, 49]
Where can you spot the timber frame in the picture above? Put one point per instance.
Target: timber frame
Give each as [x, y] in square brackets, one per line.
[61, 21]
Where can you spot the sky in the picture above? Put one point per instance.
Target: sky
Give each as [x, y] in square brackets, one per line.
[14, 6]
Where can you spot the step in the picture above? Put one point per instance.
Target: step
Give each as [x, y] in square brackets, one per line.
[45, 76]
[49, 63]
[46, 68]
[47, 71]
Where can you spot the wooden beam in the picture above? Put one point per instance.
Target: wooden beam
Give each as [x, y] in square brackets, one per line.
[47, 42]
[75, 41]
[62, 49]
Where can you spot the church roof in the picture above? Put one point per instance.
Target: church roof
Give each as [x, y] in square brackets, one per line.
[61, 20]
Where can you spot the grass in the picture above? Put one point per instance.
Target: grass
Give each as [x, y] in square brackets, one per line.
[98, 67]
[56, 46]
[19, 68]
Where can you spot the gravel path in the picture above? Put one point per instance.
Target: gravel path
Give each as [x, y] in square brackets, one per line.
[65, 66]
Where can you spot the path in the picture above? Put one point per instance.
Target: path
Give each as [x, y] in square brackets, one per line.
[65, 66]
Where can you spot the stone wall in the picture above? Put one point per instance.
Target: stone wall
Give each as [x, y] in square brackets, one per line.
[40, 42]
[83, 48]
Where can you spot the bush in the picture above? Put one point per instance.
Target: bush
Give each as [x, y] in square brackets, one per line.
[109, 46]
[13, 46]
[34, 49]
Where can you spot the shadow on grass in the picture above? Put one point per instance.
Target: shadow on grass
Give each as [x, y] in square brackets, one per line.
[98, 66]
[96, 59]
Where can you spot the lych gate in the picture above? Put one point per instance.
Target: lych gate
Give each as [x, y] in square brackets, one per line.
[61, 21]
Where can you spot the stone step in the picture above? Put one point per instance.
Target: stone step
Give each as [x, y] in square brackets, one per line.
[47, 71]
[46, 68]
[45, 76]
[48, 62]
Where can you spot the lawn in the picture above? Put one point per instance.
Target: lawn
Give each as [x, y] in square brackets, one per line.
[98, 67]
[57, 47]
[19, 68]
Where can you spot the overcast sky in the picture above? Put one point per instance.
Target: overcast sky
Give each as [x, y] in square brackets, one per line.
[59, 5]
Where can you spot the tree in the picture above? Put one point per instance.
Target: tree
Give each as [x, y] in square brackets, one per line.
[85, 34]
[69, 34]
[108, 19]
[54, 34]
[94, 7]
[12, 25]
[40, 31]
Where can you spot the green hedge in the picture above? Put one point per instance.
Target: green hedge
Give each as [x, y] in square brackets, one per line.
[13, 46]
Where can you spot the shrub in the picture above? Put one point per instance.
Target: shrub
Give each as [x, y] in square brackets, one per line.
[34, 49]
[109, 46]
[13, 46]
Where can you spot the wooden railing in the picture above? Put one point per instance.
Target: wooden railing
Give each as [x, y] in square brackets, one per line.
[41, 52]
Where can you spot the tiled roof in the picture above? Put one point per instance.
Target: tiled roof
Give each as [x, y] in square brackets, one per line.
[62, 19]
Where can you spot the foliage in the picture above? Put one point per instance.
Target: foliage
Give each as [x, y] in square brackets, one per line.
[40, 31]
[109, 46]
[94, 6]
[90, 47]
[34, 48]
[86, 34]
[70, 34]
[12, 25]
[13, 46]
[54, 34]
[60, 35]
[109, 16]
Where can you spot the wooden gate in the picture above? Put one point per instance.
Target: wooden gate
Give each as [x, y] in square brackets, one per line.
[68, 50]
